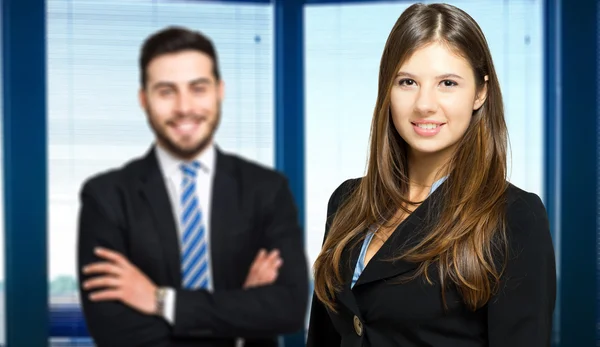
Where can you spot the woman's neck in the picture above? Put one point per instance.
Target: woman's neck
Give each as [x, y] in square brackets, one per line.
[423, 171]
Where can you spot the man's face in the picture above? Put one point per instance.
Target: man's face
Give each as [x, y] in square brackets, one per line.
[182, 100]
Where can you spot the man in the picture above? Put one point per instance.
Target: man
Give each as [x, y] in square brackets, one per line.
[189, 246]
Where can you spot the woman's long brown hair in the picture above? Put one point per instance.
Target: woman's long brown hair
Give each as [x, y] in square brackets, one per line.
[468, 238]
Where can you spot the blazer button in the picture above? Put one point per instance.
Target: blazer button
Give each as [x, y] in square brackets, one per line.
[358, 328]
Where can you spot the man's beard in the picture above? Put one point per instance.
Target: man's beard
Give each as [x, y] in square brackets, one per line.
[185, 153]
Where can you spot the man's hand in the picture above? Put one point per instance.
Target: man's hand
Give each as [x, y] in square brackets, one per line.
[121, 281]
[264, 269]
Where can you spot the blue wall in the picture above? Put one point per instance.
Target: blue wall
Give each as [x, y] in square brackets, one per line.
[573, 165]
[24, 144]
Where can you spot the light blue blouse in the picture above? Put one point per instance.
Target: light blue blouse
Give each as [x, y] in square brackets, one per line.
[360, 264]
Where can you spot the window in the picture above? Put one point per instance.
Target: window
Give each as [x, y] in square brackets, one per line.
[343, 46]
[95, 123]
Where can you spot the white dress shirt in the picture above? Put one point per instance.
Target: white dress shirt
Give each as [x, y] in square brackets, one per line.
[170, 167]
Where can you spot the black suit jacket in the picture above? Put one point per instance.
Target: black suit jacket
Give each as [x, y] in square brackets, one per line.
[380, 312]
[128, 210]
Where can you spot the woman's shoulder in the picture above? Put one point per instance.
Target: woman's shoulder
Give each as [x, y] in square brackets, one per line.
[342, 192]
[521, 202]
[526, 217]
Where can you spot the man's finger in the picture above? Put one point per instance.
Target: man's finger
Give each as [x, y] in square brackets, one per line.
[273, 259]
[109, 294]
[277, 263]
[268, 272]
[111, 255]
[258, 260]
[254, 268]
[260, 256]
[269, 260]
[261, 253]
[273, 256]
[269, 277]
[104, 267]
[101, 282]
[266, 263]
[261, 271]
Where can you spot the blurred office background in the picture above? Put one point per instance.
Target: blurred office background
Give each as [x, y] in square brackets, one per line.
[301, 82]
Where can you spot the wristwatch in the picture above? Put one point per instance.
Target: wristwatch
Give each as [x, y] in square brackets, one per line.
[161, 293]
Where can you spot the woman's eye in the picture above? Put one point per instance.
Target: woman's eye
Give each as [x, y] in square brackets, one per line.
[407, 82]
[448, 83]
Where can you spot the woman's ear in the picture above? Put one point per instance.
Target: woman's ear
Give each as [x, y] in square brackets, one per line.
[481, 95]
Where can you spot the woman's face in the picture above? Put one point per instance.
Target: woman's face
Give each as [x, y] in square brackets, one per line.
[432, 100]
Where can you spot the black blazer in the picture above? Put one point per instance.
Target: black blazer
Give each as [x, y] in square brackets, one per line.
[380, 312]
[128, 210]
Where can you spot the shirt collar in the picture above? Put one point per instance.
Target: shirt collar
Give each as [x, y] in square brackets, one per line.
[169, 163]
[437, 184]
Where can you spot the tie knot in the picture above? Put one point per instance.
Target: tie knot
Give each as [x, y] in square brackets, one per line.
[190, 169]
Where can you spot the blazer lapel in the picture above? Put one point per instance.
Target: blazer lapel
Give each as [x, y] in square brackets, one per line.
[409, 233]
[345, 296]
[154, 189]
[222, 220]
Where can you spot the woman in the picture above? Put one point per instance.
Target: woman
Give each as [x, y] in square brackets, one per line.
[433, 247]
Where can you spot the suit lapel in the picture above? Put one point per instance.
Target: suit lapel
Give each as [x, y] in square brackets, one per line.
[408, 233]
[380, 267]
[222, 220]
[154, 189]
[345, 296]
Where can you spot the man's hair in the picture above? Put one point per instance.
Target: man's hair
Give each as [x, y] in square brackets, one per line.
[175, 40]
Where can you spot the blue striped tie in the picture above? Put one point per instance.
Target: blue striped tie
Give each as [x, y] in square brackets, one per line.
[194, 260]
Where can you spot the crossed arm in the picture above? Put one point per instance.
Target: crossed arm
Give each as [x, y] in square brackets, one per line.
[118, 279]
[119, 300]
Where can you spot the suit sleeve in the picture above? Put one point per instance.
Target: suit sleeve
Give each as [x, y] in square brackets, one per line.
[264, 311]
[110, 323]
[520, 315]
[321, 332]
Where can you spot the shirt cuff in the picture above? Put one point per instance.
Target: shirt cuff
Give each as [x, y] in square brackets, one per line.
[169, 312]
